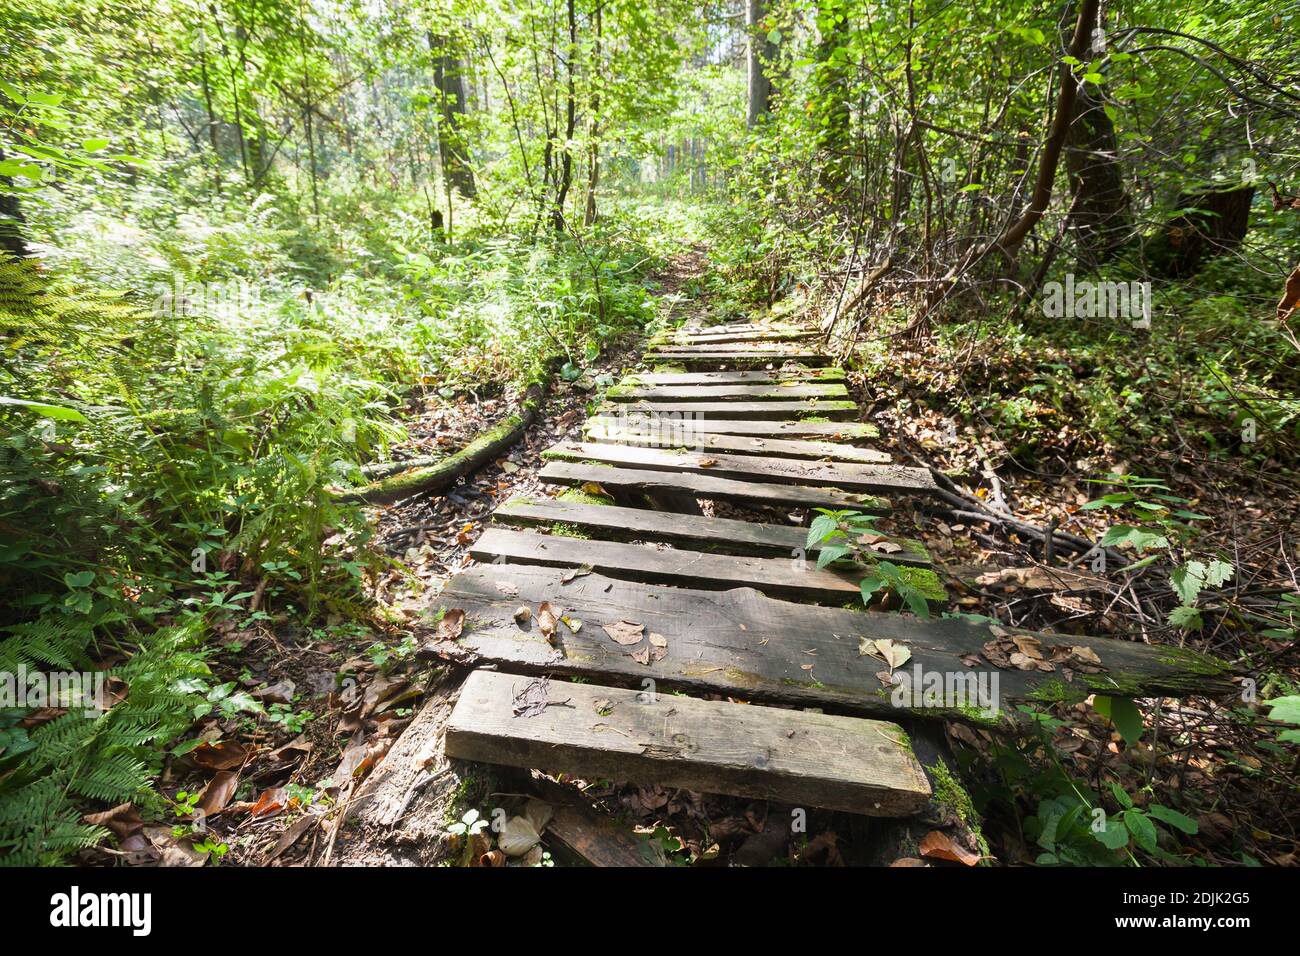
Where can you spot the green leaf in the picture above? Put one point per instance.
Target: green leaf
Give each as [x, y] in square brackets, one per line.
[57, 412]
[1139, 538]
[820, 528]
[1172, 817]
[1188, 580]
[1114, 835]
[1187, 618]
[1123, 713]
[1121, 795]
[831, 552]
[1143, 830]
[81, 579]
[870, 586]
[93, 145]
[1284, 709]
[1217, 573]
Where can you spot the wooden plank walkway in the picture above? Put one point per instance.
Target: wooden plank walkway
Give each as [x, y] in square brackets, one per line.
[600, 430]
[794, 471]
[727, 535]
[757, 411]
[806, 428]
[752, 376]
[630, 579]
[807, 759]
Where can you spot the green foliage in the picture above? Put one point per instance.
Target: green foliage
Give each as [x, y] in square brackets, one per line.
[1123, 713]
[1286, 710]
[108, 759]
[1168, 523]
[838, 536]
[1070, 824]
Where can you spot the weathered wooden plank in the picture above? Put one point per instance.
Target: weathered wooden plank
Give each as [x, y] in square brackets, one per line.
[666, 424]
[726, 535]
[741, 643]
[721, 357]
[742, 377]
[795, 471]
[597, 430]
[694, 327]
[807, 759]
[706, 486]
[794, 577]
[778, 349]
[597, 840]
[741, 411]
[775, 391]
[741, 336]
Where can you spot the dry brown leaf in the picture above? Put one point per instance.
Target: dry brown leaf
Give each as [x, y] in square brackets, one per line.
[523, 614]
[451, 625]
[577, 572]
[225, 755]
[270, 802]
[292, 833]
[122, 820]
[626, 633]
[937, 845]
[893, 653]
[547, 621]
[219, 791]
[1085, 654]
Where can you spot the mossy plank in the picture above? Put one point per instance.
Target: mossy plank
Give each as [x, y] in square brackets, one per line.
[773, 410]
[684, 356]
[742, 643]
[620, 418]
[795, 471]
[788, 334]
[615, 481]
[725, 535]
[794, 577]
[771, 392]
[765, 753]
[601, 430]
[795, 373]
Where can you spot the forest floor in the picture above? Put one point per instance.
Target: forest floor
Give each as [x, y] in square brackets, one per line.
[346, 692]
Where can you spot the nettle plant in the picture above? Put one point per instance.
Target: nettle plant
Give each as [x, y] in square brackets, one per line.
[843, 536]
[1162, 527]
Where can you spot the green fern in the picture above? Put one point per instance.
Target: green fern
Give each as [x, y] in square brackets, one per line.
[110, 758]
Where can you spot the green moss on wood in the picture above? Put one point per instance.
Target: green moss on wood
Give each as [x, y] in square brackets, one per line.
[926, 582]
[950, 793]
[579, 497]
[569, 531]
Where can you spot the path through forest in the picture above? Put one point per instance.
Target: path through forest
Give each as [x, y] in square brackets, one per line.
[666, 562]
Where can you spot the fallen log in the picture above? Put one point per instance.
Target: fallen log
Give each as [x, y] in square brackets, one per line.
[438, 474]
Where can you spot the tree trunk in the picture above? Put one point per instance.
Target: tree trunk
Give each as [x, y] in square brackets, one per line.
[11, 219]
[593, 156]
[757, 49]
[207, 102]
[1011, 239]
[570, 120]
[1101, 217]
[1212, 222]
[449, 79]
